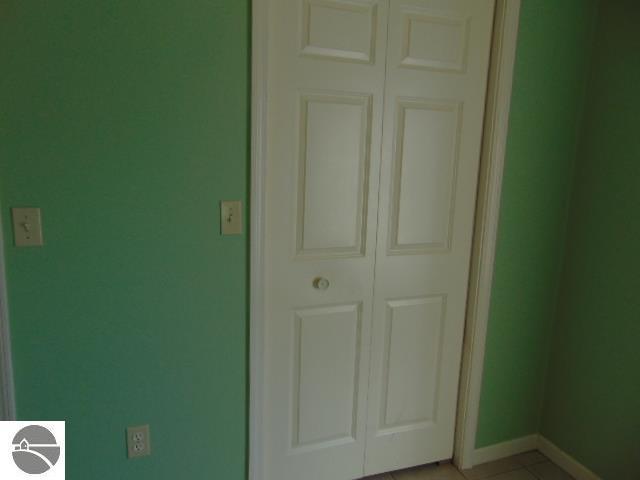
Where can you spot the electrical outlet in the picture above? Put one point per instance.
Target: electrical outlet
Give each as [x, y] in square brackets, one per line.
[138, 441]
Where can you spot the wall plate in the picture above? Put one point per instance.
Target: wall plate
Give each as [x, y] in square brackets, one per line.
[231, 217]
[138, 441]
[27, 227]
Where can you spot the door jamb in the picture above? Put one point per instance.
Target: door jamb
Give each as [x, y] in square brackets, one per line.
[7, 396]
[499, 88]
[259, 74]
[496, 126]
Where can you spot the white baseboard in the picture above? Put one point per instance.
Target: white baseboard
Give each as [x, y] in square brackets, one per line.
[534, 442]
[565, 461]
[505, 449]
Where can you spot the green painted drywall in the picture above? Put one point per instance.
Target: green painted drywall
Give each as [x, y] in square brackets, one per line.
[592, 407]
[126, 122]
[549, 82]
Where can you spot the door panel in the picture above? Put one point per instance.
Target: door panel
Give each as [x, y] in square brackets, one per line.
[326, 79]
[327, 358]
[411, 362]
[335, 133]
[437, 62]
[424, 169]
[340, 30]
[433, 39]
[374, 118]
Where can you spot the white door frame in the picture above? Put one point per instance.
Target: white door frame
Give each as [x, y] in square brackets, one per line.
[7, 397]
[496, 127]
[503, 51]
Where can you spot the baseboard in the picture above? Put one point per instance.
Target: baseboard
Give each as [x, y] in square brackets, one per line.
[505, 449]
[565, 461]
[534, 442]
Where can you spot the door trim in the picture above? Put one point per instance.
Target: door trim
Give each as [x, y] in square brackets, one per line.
[496, 127]
[7, 396]
[503, 50]
[259, 49]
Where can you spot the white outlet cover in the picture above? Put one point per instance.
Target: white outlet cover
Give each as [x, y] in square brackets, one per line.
[138, 441]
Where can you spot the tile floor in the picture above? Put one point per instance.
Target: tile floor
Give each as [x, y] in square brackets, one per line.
[526, 466]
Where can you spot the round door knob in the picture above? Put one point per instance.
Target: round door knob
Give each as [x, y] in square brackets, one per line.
[320, 283]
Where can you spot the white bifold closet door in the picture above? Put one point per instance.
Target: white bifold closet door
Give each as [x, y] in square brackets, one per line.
[375, 113]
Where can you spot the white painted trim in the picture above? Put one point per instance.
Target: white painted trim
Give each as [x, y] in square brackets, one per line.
[503, 55]
[259, 48]
[7, 394]
[505, 449]
[565, 461]
[535, 442]
[499, 96]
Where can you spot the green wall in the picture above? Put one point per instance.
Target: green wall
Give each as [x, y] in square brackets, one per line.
[126, 122]
[549, 84]
[592, 408]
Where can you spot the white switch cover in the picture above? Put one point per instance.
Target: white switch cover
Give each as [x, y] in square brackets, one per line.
[231, 217]
[138, 441]
[27, 227]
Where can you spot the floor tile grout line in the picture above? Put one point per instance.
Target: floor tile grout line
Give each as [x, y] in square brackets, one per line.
[505, 472]
[519, 467]
[532, 472]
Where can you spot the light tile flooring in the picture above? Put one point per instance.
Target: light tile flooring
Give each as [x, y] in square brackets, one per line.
[526, 466]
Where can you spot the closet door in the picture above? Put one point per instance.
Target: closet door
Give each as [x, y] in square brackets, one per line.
[437, 62]
[326, 78]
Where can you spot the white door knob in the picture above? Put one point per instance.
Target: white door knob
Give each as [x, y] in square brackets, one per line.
[320, 283]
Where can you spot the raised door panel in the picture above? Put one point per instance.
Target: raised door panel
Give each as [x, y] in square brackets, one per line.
[333, 173]
[326, 376]
[339, 30]
[413, 346]
[434, 41]
[424, 175]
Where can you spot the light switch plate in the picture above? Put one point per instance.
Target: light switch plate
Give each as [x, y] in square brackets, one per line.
[231, 217]
[27, 227]
[138, 441]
